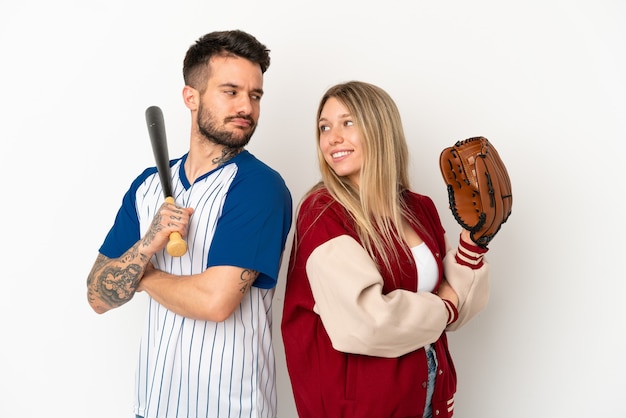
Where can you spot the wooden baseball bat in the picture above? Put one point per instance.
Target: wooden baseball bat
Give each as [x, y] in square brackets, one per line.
[156, 129]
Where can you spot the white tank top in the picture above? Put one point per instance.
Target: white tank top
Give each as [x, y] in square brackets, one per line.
[426, 268]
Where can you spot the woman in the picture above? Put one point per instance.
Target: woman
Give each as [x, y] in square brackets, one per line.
[372, 285]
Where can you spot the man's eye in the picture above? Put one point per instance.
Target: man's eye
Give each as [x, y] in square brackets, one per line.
[256, 97]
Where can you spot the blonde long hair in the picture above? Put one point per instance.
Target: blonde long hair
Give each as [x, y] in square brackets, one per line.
[376, 205]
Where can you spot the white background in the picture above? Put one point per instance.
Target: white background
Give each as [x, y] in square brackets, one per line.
[543, 80]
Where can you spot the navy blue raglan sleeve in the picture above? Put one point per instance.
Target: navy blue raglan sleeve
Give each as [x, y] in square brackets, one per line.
[125, 231]
[253, 228]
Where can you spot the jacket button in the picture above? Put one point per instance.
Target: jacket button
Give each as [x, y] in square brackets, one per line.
[424, 384]
[440, 372]
[436, 412]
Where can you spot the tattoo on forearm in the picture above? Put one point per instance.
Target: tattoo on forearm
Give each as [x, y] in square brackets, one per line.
[152, 231]
[100, 261]
[246, 279]
[116, 285]
[131, 254]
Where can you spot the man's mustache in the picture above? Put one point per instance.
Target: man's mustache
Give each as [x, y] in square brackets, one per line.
[248, 118]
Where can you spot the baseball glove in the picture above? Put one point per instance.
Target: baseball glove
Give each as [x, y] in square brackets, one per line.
[479, 188]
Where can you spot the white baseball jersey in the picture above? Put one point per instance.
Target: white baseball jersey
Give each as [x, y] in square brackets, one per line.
[193, 368]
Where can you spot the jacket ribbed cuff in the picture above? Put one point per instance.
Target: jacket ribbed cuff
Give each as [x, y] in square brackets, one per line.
[453, 313]
[470, 255]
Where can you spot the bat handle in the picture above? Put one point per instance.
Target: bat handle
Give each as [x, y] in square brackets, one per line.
[176, 246]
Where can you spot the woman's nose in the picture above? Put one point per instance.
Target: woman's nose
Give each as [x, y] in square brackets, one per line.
[335, 138]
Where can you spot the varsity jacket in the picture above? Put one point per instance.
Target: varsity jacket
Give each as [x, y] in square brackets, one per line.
[354, 330]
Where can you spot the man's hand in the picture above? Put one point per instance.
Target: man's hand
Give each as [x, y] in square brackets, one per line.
[169, 218]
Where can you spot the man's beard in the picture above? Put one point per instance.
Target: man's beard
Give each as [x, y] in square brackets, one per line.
[209, 128]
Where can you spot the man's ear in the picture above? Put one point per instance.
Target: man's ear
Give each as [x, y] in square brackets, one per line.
[191, 97]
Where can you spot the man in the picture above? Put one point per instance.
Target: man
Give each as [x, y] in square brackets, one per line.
[207, 345]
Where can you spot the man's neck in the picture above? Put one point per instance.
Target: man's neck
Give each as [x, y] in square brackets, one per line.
[201, 160]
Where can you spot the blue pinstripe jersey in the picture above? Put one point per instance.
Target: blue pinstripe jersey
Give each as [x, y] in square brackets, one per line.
[192, 368]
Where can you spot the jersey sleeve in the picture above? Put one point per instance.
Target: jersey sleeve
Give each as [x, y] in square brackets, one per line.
[125, 231]
[253, 227]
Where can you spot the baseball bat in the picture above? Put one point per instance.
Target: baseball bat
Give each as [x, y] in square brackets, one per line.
[156, 129]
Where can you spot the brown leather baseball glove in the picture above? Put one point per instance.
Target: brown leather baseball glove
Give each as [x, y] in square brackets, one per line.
[479, 188]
